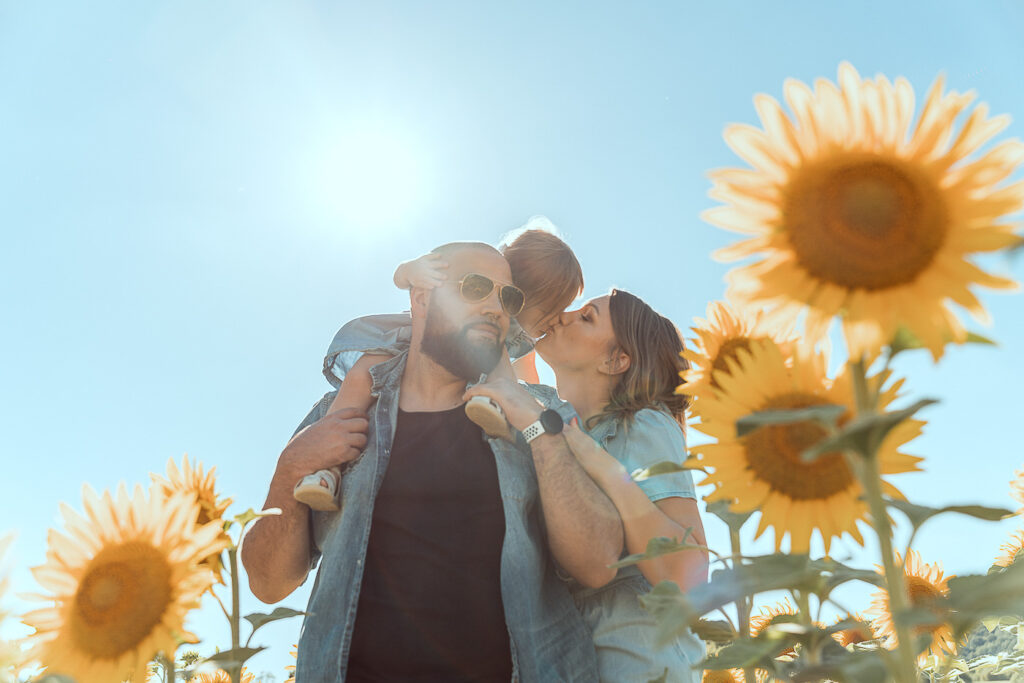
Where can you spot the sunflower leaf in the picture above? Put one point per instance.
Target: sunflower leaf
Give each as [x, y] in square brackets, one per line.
[714, 630]
[826, 414]
[658, 546]
[734, 520]
[863, 434]
[235, 657]
[841, 665]
[250, 514]
[665, 467]
[258, 619]
[744, 653]
[905, 340]
[919, 514]
[976, 597]
[671, 609]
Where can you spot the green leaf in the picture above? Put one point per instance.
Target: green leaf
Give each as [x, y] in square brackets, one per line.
[258, 619]
[665, 467]
[839, 664]
[249, 515]
[232, 658]
[825, 414]
[919, 514]
[671, 610]
[714, 630]
[864, 433]
[744, 653]
[975, 338]
[977, 597]
[905, 340]
[734, 520]
[656, 547]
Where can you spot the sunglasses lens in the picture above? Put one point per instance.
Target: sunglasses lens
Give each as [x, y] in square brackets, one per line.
[512, 300]
[476, 287]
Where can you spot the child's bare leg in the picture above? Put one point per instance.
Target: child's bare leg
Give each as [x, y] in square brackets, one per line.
[485, 412]
[319, 490]
[526, 368]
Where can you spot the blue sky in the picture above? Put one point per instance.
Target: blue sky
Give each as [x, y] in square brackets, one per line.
[194, 196]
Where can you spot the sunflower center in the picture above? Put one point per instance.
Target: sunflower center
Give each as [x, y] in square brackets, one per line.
[773, 454]
[864, 223]
[727, 352]
[122, 596]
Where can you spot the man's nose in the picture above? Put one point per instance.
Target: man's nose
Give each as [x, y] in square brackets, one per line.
[492, 303]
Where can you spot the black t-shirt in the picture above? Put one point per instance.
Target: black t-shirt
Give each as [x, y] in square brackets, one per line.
[430, 606]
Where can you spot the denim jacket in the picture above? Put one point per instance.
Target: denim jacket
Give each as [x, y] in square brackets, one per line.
[548, 637]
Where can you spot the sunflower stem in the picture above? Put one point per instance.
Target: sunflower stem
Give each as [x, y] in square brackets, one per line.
[236, 669]
[742, 602]
[895, 580]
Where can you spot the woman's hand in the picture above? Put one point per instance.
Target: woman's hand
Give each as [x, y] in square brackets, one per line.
[425, 272]
[521, 409]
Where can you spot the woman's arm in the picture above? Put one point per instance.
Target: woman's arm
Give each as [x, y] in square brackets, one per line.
[642, 519]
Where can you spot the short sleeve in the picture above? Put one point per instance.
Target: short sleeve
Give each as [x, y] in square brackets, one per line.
[653, 437]
[389, 334]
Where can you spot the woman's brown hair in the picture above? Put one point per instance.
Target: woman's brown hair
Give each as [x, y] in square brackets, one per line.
[653, 345]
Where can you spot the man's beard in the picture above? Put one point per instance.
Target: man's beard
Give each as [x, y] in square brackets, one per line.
[453, 350]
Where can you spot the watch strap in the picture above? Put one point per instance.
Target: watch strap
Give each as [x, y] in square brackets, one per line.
[533, 431]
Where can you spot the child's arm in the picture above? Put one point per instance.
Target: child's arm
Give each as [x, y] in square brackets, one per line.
[526, 368]
[355, 388]
[426, 271]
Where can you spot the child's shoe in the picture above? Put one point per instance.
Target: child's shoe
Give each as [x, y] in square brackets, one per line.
[320, 490]
[489, 416]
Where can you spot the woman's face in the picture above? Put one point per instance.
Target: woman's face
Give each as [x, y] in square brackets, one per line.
[535, 321]
[580, 339]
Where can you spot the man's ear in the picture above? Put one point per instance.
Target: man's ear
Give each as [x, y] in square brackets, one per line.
[419, 299]
[616, 364]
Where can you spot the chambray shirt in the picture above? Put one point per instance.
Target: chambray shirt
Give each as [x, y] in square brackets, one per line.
[624, 631]
[549, 639]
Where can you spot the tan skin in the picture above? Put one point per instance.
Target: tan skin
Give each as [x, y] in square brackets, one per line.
[583, 528]
[581, 350]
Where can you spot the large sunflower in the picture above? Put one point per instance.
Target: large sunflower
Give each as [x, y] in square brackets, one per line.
[121, 579]
[718, 339]
[856, 213]
[192, 481]
[763, 470]
[925, 583]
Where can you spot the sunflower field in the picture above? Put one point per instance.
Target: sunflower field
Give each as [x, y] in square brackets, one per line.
[856, 215]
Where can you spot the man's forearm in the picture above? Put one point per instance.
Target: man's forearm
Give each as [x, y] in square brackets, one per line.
[276, 551]
[584, 528]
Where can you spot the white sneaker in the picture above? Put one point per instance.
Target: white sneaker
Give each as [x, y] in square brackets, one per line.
[319, 490]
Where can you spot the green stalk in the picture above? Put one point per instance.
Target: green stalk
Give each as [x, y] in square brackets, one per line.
[742, 604]
[895, 579]
[236, 670]
[803, 601]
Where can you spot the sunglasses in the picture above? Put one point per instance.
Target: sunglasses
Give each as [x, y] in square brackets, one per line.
[475, 287]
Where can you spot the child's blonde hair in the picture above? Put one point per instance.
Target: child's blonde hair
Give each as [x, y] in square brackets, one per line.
[543, 266]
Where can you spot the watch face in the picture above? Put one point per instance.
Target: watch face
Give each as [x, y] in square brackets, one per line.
[551, 421]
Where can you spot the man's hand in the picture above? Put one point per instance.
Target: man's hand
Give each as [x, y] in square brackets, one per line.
[521, 409]
[337, 438]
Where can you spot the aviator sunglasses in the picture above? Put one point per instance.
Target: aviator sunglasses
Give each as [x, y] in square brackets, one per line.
[475, 287]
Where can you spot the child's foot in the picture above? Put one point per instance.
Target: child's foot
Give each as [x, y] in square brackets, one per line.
[489, 416]
[319, 490]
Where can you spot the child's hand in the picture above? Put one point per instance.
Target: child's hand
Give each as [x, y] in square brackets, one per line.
[426, 272]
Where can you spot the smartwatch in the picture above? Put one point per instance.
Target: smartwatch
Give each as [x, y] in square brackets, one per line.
[550, 422]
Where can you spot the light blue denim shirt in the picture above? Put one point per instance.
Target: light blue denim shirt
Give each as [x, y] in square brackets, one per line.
[623, 631]
[390, 334]
[548, 636]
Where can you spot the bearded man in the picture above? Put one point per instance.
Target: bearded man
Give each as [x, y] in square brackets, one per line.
[441, 563]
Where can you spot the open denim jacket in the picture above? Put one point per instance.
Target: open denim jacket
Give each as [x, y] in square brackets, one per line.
[549, 640]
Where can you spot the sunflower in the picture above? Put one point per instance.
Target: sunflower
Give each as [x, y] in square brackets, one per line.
[121, 579]
[294, 652]
[856, 213]
[763, 470]
[718, 339]
[858, 633]
[1017, 489]
[194, 482]
[222, 676]
[1011, 550]
[925, 583]
[722, 676]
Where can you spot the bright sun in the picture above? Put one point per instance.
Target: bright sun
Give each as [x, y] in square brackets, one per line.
[368, 181]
